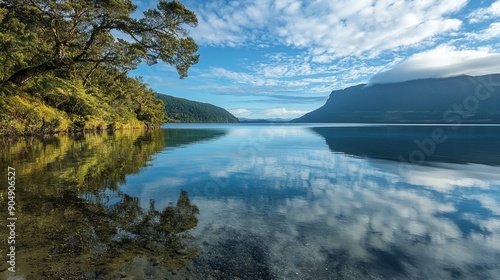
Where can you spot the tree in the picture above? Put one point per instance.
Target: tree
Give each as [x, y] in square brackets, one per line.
[38, 36]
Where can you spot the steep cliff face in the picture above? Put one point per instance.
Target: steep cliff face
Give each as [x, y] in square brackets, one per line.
[462, 99]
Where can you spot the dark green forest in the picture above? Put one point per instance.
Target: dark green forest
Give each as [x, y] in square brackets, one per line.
[187, 111]
[63, 70]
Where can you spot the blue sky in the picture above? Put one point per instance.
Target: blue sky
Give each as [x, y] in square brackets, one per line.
[282, 58]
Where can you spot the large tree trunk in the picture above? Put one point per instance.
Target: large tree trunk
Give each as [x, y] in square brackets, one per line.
[24, 75]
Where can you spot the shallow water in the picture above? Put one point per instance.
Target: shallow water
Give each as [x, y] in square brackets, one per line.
[274, 202]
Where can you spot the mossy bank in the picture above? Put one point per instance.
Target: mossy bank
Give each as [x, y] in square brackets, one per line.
[50, 105]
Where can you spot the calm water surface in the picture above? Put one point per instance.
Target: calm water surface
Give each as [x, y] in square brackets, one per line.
[260, 202]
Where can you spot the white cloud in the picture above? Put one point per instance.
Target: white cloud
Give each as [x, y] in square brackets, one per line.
[241, 112]
[273, 76]
[331, 29]
[300, 47]
[241, 77]
[492, 32]
[293, 73]
[226, 24]
[283, 112]
[483, 14]
[298, 66]
[443, 61]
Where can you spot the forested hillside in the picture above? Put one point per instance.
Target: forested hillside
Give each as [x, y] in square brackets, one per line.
[61, 68]
[183, 110]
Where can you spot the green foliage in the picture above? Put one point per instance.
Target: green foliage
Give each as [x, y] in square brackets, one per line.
[49, 104]
[62, 69]
[48, 35]
[24, 114]
[183, 110]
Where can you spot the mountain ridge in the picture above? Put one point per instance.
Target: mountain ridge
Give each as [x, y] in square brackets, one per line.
[188, 111]
[454, 100]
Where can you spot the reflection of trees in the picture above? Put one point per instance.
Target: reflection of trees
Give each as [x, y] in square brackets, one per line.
[74, 223]
[179, 137]
[74, 238]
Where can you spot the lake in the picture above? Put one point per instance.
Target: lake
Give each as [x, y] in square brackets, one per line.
[258, 201]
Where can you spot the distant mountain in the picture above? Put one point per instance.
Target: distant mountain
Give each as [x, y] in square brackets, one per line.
[462, 99]
[184, 110]
[274, 120]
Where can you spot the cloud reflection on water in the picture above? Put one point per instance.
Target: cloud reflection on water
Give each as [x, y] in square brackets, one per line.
[311, 213]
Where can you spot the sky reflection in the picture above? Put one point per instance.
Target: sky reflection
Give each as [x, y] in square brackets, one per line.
[298, 210]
